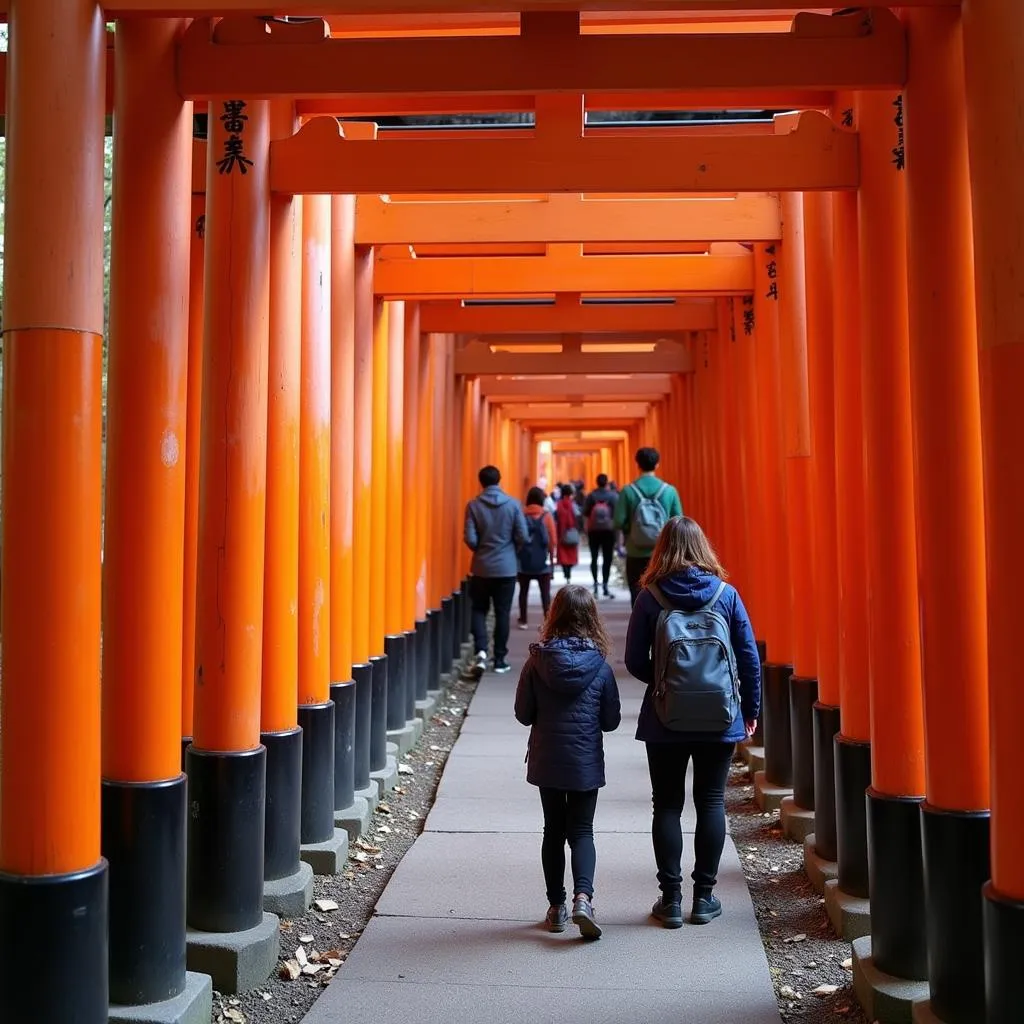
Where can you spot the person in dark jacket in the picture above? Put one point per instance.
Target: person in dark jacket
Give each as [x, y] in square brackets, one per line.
[568, 696]
[495, 529]
[687, 572]
[537, 554]
[599, 515]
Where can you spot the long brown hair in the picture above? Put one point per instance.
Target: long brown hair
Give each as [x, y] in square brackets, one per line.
[682, 545]
[574, 614]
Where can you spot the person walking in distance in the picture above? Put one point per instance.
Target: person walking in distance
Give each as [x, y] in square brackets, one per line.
[643, 508]
[495, 529]
[537, 555]
[690, 640]
[599, 515]
[568, 530]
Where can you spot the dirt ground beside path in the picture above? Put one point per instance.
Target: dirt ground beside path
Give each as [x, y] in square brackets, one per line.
[810, 967]
[327, 936]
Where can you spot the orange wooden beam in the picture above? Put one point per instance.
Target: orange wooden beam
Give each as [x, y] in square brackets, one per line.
[477, 359]
[567, 315]
[815, 155]
[568, 218]
[459, 277]
[571, 412]
[529, 388]
[252, 57]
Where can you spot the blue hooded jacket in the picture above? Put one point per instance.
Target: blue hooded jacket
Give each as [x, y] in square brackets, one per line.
[689, 590]
[567, 693]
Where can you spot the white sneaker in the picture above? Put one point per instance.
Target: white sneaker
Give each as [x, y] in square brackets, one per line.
[479, 665]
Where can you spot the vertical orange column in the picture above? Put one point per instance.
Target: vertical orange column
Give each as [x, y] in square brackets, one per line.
[378, 524]
[993, 56]
[52, 352]
[145, 509]
[226, 763]
[316, 712]
[426, 452]
[949, 493]
[193, 421]
[735, 509]
[897, 727]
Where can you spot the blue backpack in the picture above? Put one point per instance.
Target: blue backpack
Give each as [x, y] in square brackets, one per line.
[533, 555]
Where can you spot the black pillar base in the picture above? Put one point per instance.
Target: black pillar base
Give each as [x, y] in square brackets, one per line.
[956, 866]
[186, 742]
[411, 638]
[825, 721]
[778, 744]
[456, 647]
[343, 696]
[437, 660]
[803, 695]
[363, 676]
[394, 651]
[53, 934]
[899, 936]
[379, 713]
[227, 796]
[1004, 955]
[447, 633]
[762, 650]
[317, 815]
[433, 660]
[853, 777]
[283, 803]
[144, 843]
[419, 677]
[467, 612]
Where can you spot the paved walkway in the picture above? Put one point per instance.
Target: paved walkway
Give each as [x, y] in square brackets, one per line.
[456, 939]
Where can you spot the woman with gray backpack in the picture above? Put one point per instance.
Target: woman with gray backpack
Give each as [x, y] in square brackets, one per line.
[690, 640]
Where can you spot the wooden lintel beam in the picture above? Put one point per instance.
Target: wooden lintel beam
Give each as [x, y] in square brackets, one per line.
[254, 58]
[463, 277]
[572, 339]
[478, 360]
[568, 218]
[517, 387]
[596, 411]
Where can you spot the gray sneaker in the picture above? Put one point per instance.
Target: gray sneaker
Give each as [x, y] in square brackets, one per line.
[583, 918]
[557, 918]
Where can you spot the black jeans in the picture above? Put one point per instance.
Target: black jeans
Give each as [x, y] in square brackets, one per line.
[543, 585]
[482, 591]
[568, 817]
[602, 542]
[667, 763]
[636, 566]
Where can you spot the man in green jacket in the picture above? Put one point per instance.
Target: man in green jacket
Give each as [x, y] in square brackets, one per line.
[638, 516]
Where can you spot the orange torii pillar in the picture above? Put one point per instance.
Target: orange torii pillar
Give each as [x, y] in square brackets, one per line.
[818, 244]
[895, 871]
[946, 411]
[846, 882]
[226, 763]
[993, 53]
[362, 501]
[351, 813]
[324, 848]
[289, 888]
[53, 880]
[446, 440]
[144, 789]
[428, 454]
[778, 627]
[735, 512]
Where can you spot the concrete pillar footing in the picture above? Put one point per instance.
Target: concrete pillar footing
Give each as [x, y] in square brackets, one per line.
[797, 821]
[425, 708]
[371, 795]
[193, 1006]
[387, 777]
[885, 999]
[753, 757]
[328, 857]
[818, 870]
[402, 740]
[236, 961]
[391, 746]
[850, 915]
[354, 819]
[921, 1013]
[290, 896]
[767, 795]
[417, 725]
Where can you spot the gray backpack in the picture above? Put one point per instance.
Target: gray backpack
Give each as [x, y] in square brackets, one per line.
[649, 518]
[696, 683]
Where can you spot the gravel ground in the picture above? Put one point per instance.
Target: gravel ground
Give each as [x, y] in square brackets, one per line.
[325, 937]
[803, 951]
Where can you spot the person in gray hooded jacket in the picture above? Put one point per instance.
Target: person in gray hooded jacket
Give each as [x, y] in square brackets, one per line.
[495, 529]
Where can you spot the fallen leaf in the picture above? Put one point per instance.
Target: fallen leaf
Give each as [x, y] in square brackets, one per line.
[404, 769]
[300, 956]
[325, 905]
[796, 938]
[313, 969]
[236, 1016]
[345, 935]
[267, 996]
[384, 829]
[359, 856]
[305, 938]
[848, 963]
[825, 990]
[399, 790]
[290, 970]
[383, 809]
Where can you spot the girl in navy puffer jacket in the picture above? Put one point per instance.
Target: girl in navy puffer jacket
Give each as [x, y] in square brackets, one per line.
[567, 694]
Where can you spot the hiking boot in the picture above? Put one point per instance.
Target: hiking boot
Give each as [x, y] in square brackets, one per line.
[583, 918]
[668, 912]
[705, 909]
[501, 667]
[557, 918]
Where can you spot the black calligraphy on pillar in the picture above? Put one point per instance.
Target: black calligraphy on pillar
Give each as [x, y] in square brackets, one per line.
[732, 319]
[899, 153]
[773, 274]
[848, 117]
[234, 120]
[201, 226]
[748, 315]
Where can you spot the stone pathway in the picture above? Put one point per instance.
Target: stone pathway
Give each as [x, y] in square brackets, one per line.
[456, 935]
